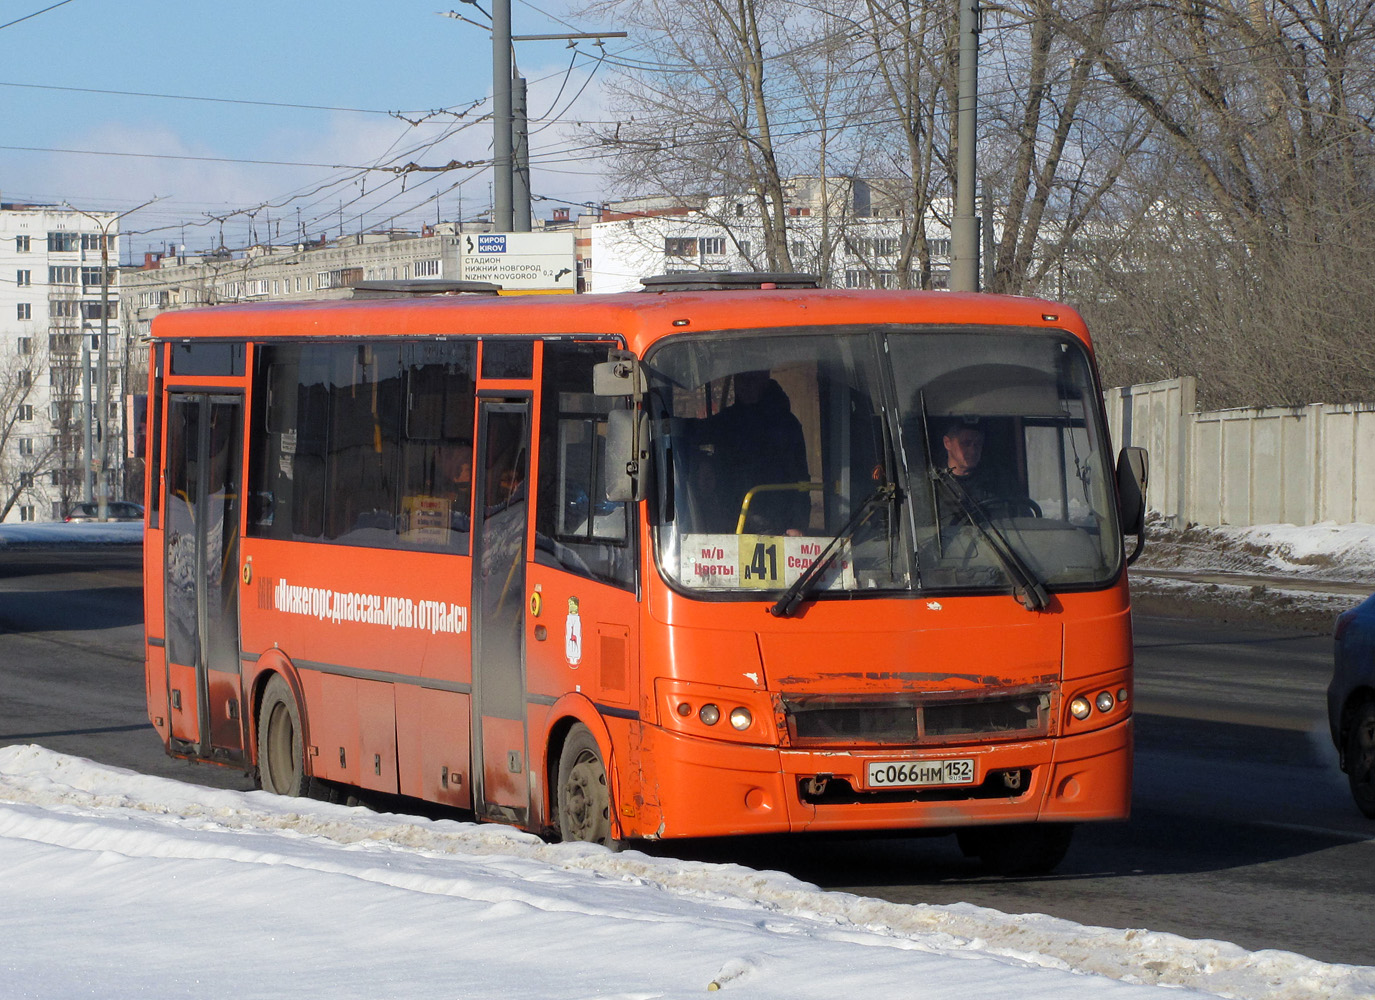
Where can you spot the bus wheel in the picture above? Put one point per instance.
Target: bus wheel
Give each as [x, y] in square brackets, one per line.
[281, 767]
[1022, 849]
[584, 795]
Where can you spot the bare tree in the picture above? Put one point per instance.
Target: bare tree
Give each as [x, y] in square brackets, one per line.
[31, 449]
[701, 113]
[1256, 205]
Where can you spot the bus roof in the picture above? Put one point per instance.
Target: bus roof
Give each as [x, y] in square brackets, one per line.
[641, 318]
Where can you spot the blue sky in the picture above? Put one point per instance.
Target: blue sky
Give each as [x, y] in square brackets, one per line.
[194, 155]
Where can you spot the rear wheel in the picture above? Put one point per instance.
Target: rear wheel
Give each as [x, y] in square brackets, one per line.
[281, 767]
[1022, 849]
[1360, 757]
[584, 794]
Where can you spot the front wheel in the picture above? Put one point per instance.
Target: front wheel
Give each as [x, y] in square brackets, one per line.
[584, 793]
[1360, 757]
[281, 766]
[1021, 849]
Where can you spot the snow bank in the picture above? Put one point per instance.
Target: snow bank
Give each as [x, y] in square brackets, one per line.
[71, 533]
[122, 885]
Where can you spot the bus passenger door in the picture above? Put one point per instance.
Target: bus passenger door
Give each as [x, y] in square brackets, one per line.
[204, 450]
[502, 513]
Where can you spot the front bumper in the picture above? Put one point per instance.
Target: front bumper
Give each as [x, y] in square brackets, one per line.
[700, 788]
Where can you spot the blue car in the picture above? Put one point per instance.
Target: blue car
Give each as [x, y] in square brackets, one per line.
[1351, 701]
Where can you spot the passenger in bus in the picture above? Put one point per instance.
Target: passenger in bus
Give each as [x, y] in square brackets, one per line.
[757, 441]
[453, 480]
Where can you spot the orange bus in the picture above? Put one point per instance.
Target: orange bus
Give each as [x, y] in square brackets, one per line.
[707, 559]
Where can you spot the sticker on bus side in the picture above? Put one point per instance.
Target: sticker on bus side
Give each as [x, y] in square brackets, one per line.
[369, 609]
[758, 562]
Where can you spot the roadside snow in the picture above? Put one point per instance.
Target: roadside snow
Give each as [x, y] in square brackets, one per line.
[1298, 553]
[71, 533]
[120, 885]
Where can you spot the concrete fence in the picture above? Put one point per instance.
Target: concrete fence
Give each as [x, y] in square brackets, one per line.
[1270, 465]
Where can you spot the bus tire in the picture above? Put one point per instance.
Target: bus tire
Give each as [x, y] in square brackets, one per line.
[1021, 849]
[281, 757]
[584, 791]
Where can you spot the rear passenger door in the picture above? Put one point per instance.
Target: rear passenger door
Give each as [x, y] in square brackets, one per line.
[204, 448]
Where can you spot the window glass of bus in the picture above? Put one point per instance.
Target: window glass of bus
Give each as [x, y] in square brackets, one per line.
[437, 445]
[576, 527]
[325, 462]
[183, 474]
[1013, 417]
[208, 358]
[768, 444]
[508, 359]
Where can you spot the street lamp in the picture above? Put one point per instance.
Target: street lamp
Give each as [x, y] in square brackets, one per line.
[102, 362]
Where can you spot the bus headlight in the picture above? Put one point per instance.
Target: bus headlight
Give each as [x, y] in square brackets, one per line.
[1104, 701]
[1080, 708]
[703, 711]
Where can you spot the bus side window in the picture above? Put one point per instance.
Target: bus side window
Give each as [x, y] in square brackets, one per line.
[437, 445]
[576, 527]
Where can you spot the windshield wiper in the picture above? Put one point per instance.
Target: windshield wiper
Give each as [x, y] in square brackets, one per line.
[1027, 589]
[797, 593]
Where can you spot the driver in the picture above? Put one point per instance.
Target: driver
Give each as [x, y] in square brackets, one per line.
[963, 440]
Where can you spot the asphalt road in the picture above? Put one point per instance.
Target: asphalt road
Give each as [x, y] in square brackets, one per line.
[71, 661]
[1242, 827]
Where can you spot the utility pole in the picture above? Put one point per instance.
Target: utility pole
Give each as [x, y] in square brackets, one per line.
[964, 229]
[510, 149]
[102, 367]
[520, 176]
[503, 213]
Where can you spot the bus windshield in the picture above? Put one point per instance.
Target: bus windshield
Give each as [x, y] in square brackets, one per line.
[957, 461]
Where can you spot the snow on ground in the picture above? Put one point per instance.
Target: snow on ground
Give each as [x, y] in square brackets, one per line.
[1278, 574]
[1307, 553]
[43, 533]
[120, 885]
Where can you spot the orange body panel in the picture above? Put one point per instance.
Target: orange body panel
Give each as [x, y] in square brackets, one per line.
[377, 644]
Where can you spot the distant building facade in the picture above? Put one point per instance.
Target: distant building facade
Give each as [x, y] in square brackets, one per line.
[851, 232]
[52, 296]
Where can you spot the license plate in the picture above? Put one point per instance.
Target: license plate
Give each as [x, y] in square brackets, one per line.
[912, 773]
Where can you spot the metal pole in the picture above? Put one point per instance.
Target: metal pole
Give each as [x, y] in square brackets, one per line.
[102, 374]
[102, 390]
[89, 477]
[520, 177]
[964, 228]
[502, 210]
[987, 227]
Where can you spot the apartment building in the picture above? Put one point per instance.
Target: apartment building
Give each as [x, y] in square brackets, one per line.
[851, 232]
[53, 294]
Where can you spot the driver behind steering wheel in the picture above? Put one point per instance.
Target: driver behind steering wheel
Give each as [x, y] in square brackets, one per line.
[963, 440]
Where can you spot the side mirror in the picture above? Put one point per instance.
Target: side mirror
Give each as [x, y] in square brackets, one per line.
[620, 375]
[627, 455]
[1132, 474]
